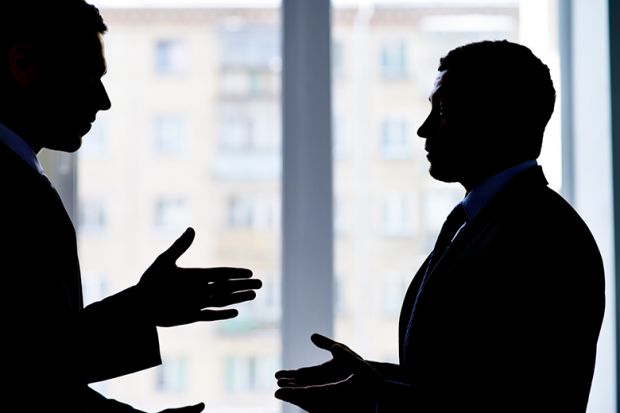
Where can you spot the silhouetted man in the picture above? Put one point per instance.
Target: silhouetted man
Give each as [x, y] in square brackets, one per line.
[50, 81]
[505, 313]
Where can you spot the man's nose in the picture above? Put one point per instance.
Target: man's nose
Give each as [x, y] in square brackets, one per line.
[423, 130]
[105, 102]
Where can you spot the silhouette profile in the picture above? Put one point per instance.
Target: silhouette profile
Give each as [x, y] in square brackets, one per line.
[505, 313]
[53, 347]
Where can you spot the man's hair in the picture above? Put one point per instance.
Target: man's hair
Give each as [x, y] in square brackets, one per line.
[499, 74]
[44, 21]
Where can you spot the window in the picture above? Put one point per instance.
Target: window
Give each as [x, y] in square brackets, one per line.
[394, 59]
[394, 289]
[170, 134]
[397, 215]
[395, 140]
[94, 142]
[92, 216]
[240, 212]
[94, 287]
[170, 57]
[437, 204]
[250, 47]
[171, 376]
[337, 58]
[236, 134]
[247, 212]
[171, 215]
[249, 373]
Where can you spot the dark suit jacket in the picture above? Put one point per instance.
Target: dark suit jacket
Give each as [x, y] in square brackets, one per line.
[510, 316]
[53, 347]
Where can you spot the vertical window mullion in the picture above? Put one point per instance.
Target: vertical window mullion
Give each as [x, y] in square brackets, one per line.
[307, 239]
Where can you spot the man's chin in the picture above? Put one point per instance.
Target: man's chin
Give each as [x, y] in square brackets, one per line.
[443, 174]
[67, 145]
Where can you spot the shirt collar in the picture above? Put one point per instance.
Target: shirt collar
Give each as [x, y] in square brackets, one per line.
[20, 147]
[478, 197]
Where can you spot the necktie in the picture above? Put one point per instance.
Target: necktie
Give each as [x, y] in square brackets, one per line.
[455, 220]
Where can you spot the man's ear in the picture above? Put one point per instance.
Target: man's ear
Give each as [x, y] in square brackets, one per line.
[502, 118]
[22, 64]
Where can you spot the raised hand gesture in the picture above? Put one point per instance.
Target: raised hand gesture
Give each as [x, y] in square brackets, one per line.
[346, 383]
[175, 296]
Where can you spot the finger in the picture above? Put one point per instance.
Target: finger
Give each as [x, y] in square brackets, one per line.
[305, 397]
[197, 408]
[228, 299]
[346, 356]
[216, 274]
[352, 360]
[215, 315]
[288, 383]
[322, 342]
[230, 286]
[307, 374]
[297, 396]
[179, 246]
[280, 374]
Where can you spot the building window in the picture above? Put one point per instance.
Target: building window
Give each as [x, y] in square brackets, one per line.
[170, 134]
[395, 140]
[393, 59]
[94, 288]
[170, 57]
[259, 213]
[92, 216]
[172, 376]
[240, 212]
[264, 311]
[250, 373]
[255, 47]
[437, 204]
[95, 141]
[170, 214]
[337, 58]
[397, 215]
[394, 289]
[236, 134]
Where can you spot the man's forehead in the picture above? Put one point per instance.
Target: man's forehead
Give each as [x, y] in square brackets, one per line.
[440, 82]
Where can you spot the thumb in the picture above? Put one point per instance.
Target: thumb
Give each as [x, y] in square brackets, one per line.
[322, 342]
[197, 408]
[354, 361]
[179, 246]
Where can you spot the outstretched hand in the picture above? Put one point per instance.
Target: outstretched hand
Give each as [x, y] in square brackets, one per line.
[197, 408]
[175, 296]
[346, 383]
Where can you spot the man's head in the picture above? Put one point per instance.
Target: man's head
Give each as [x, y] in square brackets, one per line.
[50, 70]
[490, 105]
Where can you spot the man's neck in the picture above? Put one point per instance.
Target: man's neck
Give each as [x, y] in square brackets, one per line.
[482, 174]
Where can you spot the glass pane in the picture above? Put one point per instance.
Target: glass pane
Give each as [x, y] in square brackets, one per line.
[388, 209]
[192, 139]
